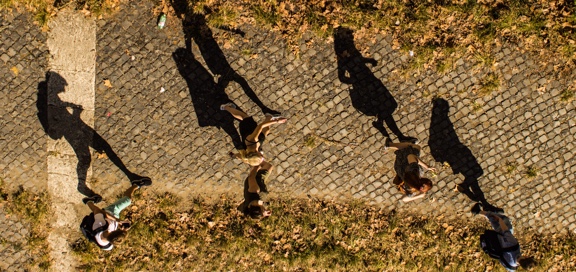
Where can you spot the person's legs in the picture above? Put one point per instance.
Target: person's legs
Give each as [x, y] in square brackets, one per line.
[116, 208]
[498, 221]
[128, 193]
[401, 145]
[238, 114]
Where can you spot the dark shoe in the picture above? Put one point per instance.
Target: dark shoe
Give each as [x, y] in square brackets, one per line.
[410, 140]
[462, 188]
[270, 111]
[144, 181]
[492, 208]
[476, 208]
[95, 198]
[387, 143]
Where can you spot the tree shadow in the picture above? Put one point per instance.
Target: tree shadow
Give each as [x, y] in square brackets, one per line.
[196, 29]
[368, 93]
[58, 122]
[446, 147]
[206, 98]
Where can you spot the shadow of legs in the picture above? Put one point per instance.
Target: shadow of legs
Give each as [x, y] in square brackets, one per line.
[84, 160]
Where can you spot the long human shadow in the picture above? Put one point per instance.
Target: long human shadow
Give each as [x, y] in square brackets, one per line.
[58, 122]
[196, 29]
[206, 98]
[368, 93]
[446, 147]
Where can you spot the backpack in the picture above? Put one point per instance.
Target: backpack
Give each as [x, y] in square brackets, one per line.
[491, 245]
[89, 233]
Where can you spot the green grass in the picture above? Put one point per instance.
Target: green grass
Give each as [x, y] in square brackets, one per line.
[489, 84]
[34, 210]
[567, 95]
[532, 172]
[223, 16]
[511, 167]
[433, 29]
[476, 106]
[302, 234]
[265, 15]
[246, 52]
[310, 141]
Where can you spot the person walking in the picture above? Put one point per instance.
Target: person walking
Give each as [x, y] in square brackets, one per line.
[500, 242]
[409, 170]
[252, 134]
[255, 184]
[103, 226]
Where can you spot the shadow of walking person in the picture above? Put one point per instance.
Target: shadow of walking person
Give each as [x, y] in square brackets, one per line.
[368, 93]
[446, 147]
[206, 98]
[217, 62]
[58, 122]
[195, 28]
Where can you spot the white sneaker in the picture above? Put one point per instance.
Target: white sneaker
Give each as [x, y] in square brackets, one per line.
[231, 105]
[274, 116]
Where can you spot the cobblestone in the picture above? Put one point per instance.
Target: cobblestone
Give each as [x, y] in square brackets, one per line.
[23, 159]
[167, 136]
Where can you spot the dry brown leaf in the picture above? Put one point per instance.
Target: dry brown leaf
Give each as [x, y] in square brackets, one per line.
[15, 70]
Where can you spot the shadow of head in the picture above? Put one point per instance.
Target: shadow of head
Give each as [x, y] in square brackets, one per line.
[51, 86]
[343, 41]
[180, 7]
[440, 106]
[56, 83]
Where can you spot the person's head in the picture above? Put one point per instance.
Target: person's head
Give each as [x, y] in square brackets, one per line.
[117, 235]
[423, 185]
[527, 262]
[258, 211]
[253, 158]
[426, 185]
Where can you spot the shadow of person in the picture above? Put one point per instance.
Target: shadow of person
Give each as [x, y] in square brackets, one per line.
[58, 122]
[368, 93]
[446, 147]
[195, 28]
[206, 98]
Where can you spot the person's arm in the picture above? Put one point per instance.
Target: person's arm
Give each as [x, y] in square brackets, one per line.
[252, 184]
[502, 224]
[342, 73]
[254, 135]
[266, 166]
[423, 164]
[95, 208]
[497, 222]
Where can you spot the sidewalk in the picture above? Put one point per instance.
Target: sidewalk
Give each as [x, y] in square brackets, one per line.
[329, 147]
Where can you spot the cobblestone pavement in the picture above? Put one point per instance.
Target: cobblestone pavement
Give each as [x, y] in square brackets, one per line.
[23, 62]
[330, 147]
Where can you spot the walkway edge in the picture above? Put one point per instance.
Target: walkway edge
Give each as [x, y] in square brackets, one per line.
[72, 46]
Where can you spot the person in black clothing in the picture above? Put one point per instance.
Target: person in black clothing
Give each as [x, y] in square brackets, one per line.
[500, 243]
[410, 170]
[254, 184]
[253, 134]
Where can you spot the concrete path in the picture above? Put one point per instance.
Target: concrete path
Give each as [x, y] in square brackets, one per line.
[71, 41]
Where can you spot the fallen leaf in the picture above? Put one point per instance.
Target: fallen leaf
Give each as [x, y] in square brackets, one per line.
[107, 83]
[15, 70]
